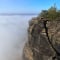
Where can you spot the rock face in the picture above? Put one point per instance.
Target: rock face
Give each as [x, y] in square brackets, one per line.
[38, 47]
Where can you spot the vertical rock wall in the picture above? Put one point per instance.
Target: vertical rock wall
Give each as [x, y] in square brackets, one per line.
[38, 47]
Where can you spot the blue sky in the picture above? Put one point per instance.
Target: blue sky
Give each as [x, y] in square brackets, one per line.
[27, 5]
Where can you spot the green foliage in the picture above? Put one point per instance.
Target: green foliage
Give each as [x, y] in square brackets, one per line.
[44, 13]
[52, 13]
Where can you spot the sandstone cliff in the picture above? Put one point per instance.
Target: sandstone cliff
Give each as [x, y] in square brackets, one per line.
[38, 47]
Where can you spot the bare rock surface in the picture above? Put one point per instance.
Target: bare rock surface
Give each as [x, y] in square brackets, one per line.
[37, 46]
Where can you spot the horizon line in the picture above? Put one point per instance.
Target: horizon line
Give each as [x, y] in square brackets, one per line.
[18, 13]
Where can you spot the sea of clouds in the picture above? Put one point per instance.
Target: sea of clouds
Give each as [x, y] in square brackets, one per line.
[13, 35]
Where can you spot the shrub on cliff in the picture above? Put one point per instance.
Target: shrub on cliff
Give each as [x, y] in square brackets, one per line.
[52, 13]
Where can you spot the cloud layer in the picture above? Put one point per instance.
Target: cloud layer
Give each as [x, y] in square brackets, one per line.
[13, 35]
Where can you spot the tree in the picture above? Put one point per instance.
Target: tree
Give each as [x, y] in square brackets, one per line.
[52, 13]
[44, 13]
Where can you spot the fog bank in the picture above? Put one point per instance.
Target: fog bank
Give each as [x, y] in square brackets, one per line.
[13, 35]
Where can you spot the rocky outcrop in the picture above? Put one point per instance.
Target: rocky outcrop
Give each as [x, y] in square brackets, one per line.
[38, 47]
